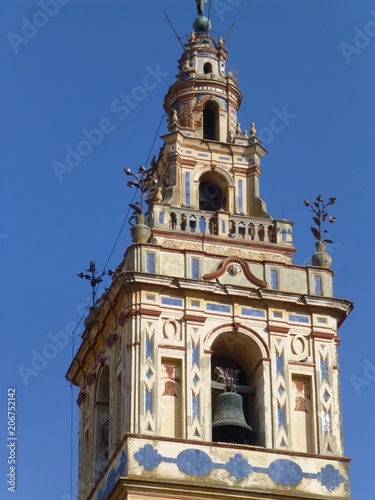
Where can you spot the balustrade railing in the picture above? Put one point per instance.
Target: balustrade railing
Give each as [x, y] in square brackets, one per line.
[222, 224]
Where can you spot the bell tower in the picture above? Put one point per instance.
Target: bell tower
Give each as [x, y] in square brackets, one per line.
[209, 369]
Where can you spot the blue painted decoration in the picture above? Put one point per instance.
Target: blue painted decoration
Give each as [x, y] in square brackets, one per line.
[273, 279]
[171, 302]
[148, 457]
[149, 348]
[323, 369]
[217, 307]
[326, 422]
[111, 479]
[195, 406]
[195, 355]
[240, 200]
[253, 312]
[285, 472]
[161, 217]
[195, 269]
[194, 462]
[148, 401]
[298, 318]
[281, 417]
[150, 262]
[187, 188]
[279, 364]
[330, 477]
[238, 467]
[318, 285]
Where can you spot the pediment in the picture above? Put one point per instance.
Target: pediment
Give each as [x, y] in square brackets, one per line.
[233, 266]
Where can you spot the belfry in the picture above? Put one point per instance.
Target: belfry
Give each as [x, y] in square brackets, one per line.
[209, 368]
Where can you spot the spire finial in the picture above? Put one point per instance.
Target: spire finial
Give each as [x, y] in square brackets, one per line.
[252, 129]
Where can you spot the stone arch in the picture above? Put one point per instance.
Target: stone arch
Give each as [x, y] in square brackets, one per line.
[212, 188]
[229, 181]
[240, 331]
[202, 102]
[243, 349]
[102, 416]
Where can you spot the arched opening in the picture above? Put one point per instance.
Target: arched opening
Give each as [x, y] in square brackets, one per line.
[212, 192]
[211, 121]
[207, 68]
[102, 422]
[238, 356]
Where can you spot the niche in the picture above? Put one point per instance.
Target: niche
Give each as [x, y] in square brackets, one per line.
[239, 355]
[211, 121]
[102, 422]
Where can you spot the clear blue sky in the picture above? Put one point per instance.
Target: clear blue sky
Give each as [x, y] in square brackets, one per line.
[312, 58]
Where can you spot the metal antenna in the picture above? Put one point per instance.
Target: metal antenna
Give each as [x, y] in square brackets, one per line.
[208, 24]
[229, 32]
[175, 32]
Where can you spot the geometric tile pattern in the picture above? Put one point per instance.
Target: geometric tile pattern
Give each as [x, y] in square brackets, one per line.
[325, 399]
[149, 376]
[280, 394]
[195, 378]
[195, 462]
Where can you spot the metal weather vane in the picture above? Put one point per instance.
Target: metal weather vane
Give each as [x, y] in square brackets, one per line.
[321, 215]
[94, 279]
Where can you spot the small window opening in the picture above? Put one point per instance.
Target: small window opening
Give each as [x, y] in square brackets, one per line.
[207, 68]
[211, 122]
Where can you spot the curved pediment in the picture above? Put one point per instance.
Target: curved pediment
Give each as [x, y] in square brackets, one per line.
[233, 265]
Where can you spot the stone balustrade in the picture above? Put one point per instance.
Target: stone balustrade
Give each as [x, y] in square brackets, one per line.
[222, 224]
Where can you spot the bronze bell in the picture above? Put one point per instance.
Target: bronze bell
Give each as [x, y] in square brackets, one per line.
[229, 424]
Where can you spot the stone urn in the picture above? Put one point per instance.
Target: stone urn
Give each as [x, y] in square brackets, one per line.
[321, 258]
[140, 230]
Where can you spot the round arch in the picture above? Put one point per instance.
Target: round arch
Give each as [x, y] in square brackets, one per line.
[244, 350]
[240, 332]
[206, 99]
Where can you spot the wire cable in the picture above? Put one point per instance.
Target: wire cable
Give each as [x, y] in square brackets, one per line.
[84, 314]
[126, 217]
